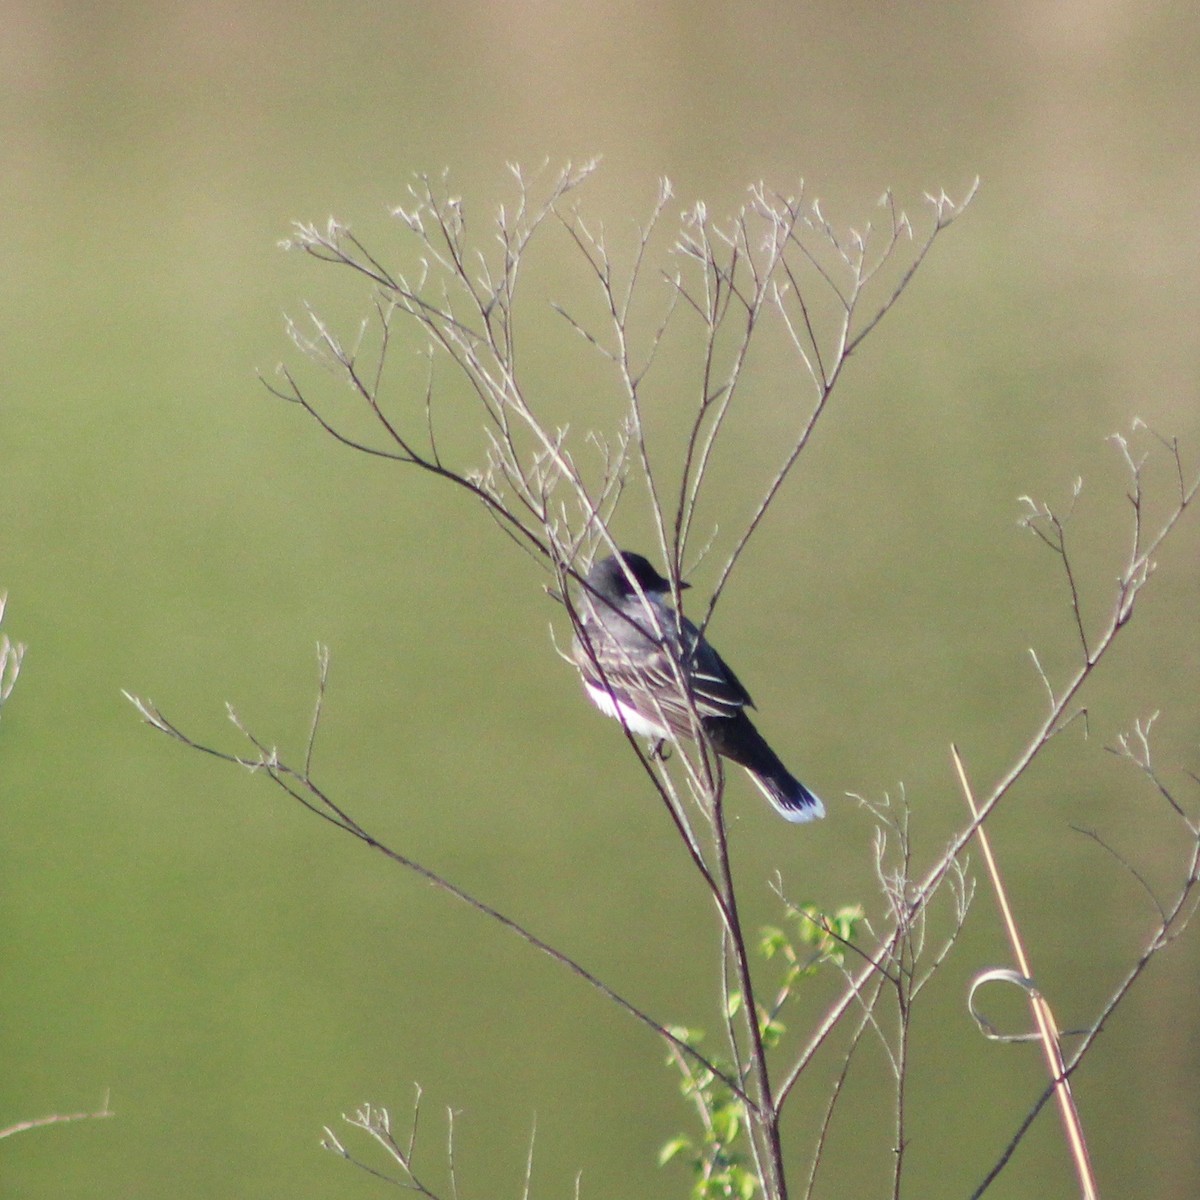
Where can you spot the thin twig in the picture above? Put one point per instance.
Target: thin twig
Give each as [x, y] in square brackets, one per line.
[58, 1119]
[305, 791]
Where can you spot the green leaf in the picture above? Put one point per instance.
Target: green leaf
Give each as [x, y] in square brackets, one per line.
[745, 1182]
[726, 1125]
[733, 1005]
[672, 1149]
[808, 920]
[772, 1033]
[771, 941]
[846, 920]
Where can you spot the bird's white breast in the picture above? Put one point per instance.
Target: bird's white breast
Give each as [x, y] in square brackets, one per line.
[610, 706]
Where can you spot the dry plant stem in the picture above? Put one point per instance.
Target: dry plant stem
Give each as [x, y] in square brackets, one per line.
[734, 1038]
[733, 279]
[301, 788]
[1042, 1014]
[377, 1124]
[788, 222]
[467, 311]
[904, 968]
[1173, 919]
[908, 966]
[720, 294]
[57, 1119]
[866, 1021]
[764, 1122]
[1134, 576]
[595, 252]
[777, 262]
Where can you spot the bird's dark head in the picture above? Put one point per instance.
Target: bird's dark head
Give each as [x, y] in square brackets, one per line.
[611, 576]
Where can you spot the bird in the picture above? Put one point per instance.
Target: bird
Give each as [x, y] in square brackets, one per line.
[633, 652]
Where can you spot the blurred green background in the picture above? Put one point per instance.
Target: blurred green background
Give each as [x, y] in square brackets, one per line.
[237, 974]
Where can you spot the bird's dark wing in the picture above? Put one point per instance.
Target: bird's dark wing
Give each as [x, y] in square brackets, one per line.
[714, 684]
[651, 687]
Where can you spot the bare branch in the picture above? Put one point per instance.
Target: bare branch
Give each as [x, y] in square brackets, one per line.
[301, 787]
[58, 1119]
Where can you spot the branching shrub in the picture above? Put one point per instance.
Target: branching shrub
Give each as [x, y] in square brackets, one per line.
[777, 272]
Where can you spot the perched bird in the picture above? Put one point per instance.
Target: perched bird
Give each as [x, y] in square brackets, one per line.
[633, 652]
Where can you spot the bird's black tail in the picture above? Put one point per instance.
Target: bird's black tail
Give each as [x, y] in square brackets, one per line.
[792, 800]
[737, 739]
